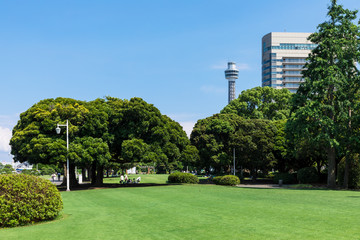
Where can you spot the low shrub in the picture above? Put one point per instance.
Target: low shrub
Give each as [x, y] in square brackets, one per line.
[27, 199]
[288, 178]
[216, 180]
[307, 175]
[230, 180]
[180, 177]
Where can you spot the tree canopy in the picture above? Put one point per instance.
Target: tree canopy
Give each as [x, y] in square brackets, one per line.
[101, 132]
[254, 140]
[323, 103]
[261, 103]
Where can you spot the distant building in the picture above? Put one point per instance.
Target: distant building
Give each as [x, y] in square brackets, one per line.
[231, 74]
[283, 58]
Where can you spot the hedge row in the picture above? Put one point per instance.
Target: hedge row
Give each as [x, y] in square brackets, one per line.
[27, 199]
[180, 177]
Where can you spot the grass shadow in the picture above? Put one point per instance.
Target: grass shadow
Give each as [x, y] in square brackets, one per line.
[88, 186]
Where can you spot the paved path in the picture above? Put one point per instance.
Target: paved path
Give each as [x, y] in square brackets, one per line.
[56, 182]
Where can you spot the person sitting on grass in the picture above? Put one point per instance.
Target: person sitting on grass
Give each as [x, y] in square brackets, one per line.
[138, 180]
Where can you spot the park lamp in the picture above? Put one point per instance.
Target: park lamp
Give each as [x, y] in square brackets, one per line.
[58, 130]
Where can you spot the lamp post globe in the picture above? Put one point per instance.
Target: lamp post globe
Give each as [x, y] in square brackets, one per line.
[58, 130]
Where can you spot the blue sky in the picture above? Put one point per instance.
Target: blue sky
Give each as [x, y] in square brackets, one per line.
[170, 53]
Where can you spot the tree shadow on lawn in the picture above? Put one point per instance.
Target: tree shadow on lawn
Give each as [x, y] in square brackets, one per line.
[88, 186]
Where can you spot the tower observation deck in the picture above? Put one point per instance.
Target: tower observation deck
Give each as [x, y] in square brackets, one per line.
[231, 74]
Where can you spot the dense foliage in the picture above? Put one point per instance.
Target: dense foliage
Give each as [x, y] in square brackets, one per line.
[180, 177]
[326, 104]
[261, 103]
[27, 199]
[354, 173]
[307, 175]
[287, 178]
[104, 133]
[253, 139]
[6, 169]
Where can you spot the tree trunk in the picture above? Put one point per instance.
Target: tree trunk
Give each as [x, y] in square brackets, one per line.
[73, 180]
[93, 173]
[64, 178]
[99, 176]
[83, 173]
[347, 160]
[331, 181]
[346, 172]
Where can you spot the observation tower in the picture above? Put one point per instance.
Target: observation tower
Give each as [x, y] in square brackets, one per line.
[231, 74]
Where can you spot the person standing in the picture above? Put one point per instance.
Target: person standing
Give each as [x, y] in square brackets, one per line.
[126, 178]
[122, 179]
[53, 176]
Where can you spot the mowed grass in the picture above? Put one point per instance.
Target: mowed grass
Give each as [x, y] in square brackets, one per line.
[200, 212]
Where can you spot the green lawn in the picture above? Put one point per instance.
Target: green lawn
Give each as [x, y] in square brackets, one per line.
[200, 212]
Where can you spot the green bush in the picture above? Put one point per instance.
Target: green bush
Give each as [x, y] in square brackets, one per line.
[180, 177]
[30, 172]
[307, 175]
[216, 180]
[27, 199]
[229, 180]
[226, 180]
[288, 178]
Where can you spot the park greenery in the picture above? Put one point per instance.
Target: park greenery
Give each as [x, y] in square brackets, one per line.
[104, 133]
[265, 132]
[196, 211]
[270, 129]
[27, 199]
[180, 177]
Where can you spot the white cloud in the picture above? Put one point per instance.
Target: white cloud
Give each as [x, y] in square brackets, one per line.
[188, 127]
[5, 136]
[243, 66]
[9, 121]
[213, 89]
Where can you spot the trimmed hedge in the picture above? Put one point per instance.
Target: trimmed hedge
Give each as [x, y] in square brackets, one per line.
[288, 178]
[230, 180]
[180, 177]
[307, 175]
[27, 199]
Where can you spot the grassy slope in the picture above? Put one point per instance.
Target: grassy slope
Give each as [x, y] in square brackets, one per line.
[201, 212]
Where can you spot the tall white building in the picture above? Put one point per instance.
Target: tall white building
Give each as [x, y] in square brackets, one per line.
[283, 58]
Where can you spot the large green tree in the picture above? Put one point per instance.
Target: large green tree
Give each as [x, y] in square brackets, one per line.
[254, 140]
[35, 140]
[261, 103]
[323, 102]
[139, 133]
[103, 133]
